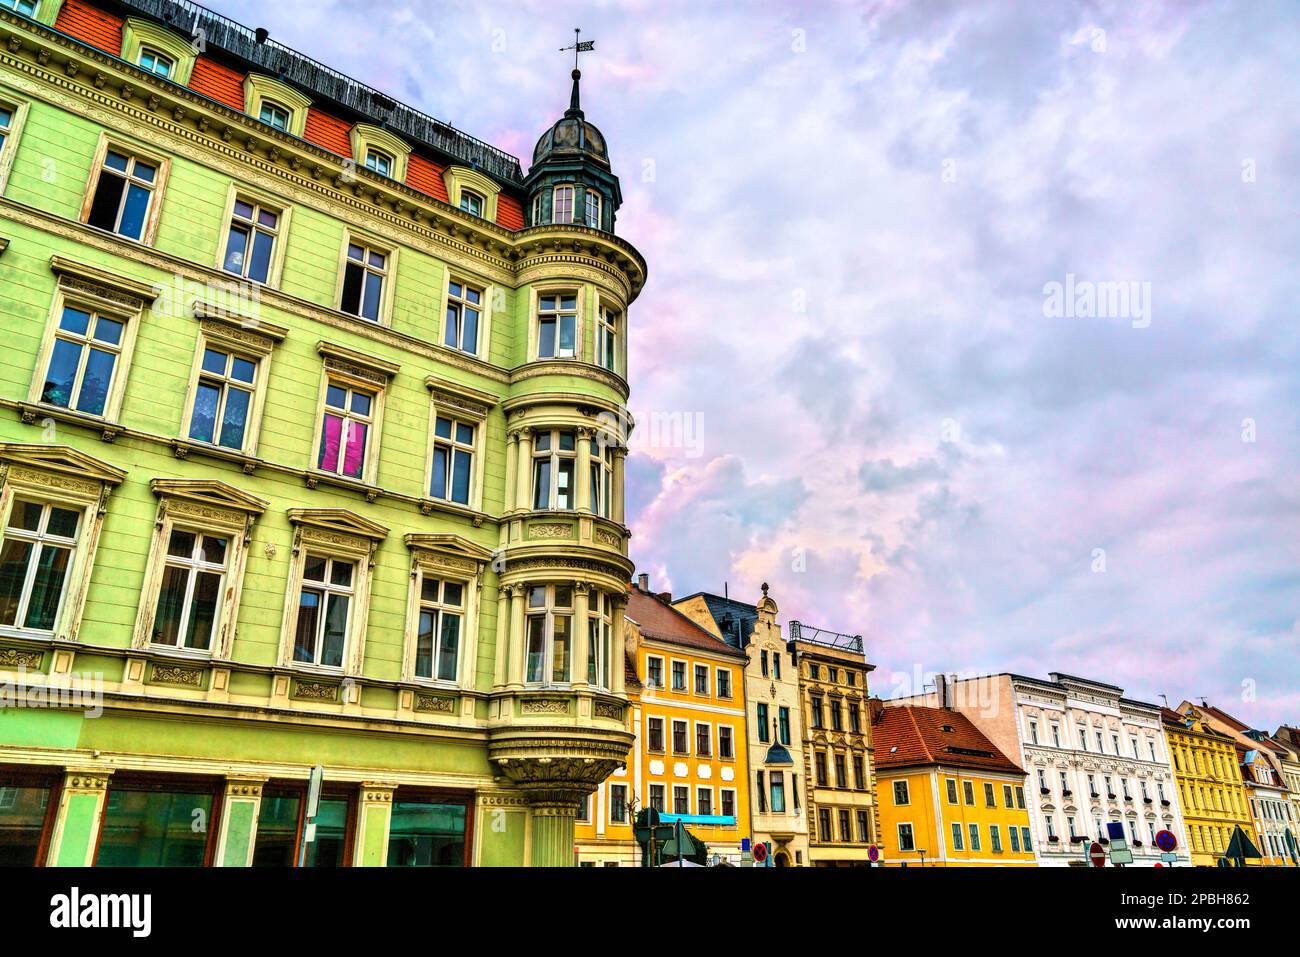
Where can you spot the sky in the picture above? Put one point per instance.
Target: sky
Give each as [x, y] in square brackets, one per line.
[970, 328]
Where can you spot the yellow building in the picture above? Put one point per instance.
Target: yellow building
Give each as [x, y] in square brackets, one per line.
[690, 758]
[1209, 783]
[947, 797]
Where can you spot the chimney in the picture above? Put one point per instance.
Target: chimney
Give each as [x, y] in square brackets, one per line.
[943, 687]
[643, 582]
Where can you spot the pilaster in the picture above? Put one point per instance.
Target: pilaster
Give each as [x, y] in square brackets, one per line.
[238, 831]
[81, 810]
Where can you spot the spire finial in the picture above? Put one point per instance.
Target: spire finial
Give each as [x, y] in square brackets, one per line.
[579, 46]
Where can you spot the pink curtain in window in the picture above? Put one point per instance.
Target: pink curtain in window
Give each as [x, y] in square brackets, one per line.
[329, 443]
[356, 450]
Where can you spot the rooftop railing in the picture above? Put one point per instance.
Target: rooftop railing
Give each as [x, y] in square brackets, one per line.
[829, 639]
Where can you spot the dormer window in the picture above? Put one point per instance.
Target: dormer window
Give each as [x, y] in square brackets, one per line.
[379, 161]
[151, 61]
[274, 115]
[562, 205]
[591, 208]
[471, 202]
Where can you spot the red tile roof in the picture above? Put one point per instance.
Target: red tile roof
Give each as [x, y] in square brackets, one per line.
[328, 132]
[662, 622]
[218, 82]
[425, 176]
[510, 213]
[94, 27]
[630, 679]
[910, 735]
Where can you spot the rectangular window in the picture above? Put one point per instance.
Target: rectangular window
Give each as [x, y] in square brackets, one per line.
[453, 460]
[426, 832]
[27, 8]
[274, 115]
[761, 792]
[607, 338]
[190, 597]
[724, 683]
[345, 430]
[957, 839]
[584, 809]
[223, 398]
[364, 272]
[7, 116]
[591, 208]
[864, 827]
[704, 801]
[600, 631]
[761, 725]
[123, 194]
[1007, 800]
[654, 672]
[437, 639]
[84, 360]
[841, 773]
[824, 832]
[837, 720]
[816, 702]
[555, 459]
[1015, 839]
[952, 791]
[324, 611]
[905, 842]
[989, 798]
[145, 826]
[900, 793]
[1025, 843]
[855, 719]
[974, 837]
[702, 679]
[859, 773]
[379, 162]
[250, 240]
[703, 740]
[681, 799]
[657, 797]
[820, 767]
[846, 827]
[778, 792]
[602, 479]
[1020, 798]
[550, 633]
[728, 797]
[725, 747]
[25, 809]
[464, 310]
[471, 202]
[159, 64]
[557, 326]
[679, 676]
[562, 204]
[783, 725]
[655, 734]
[968, 791]
[995, 839]
[680, 743]
[40, 542]
[617, 803]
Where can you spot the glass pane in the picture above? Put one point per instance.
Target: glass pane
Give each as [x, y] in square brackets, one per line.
[95, 381]
[304, 640]
[47, 587]
[235, 419]
[560, 658]
[22, 819]
[336, 630]
[564, 484]
[268, 219]
[453, 594]
[377, 260]
[469, 341]
[236, 249]
[314, 569]
[546, 338]
[451, 335]
[563, 596]
[61, 374]
[171, 599]
[537, 596]
[361, 403]
[341, 574]
[464, 434]
[330, 438]
[14, 555]
[472, 295]
[215, 361]
[430, 589]
[144, 171]
[204, 418]
[536, 648]
[442, 428]
[277, 830]
[63, 522]
[155, 829]
[259, 267]
[213, 550]
[569, 302]
[438, 480]
[203, 611]
[181, 543]
[424, 834]
[374, 290]
[355, 456]
[542, 483]
[424, 646]
[134, 212]
[568, 442]
[243, 209]
[460, 478]
[331, 834]
[26, 516]
[567, 336]
[243, 370]
[108, 197]
[74, 321]
[336, 397]
[542, 442]
[449, 650]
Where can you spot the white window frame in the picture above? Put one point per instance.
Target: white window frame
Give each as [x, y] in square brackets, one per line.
[699, 669]
[906, 792]
[274, 108]
[156, 188]
[911, 837]
[467, 197]
[701, 789]
[731, 739]
[223, 334]
[556, 191]
[460, 303]
[735, 806]
[346, 369]
[194, 565]
[159, 59]
[587, 195]
[453, 447]
[548, 612]
[609, 323]
[554, 455]
[445, 568]
[387, 276]
[39, 540]
[280, 234]
[685, 688]
[672, 745]
[663, 674]
[719, 673]
[708, 731]
[380, 161]
[558, 314]
[600, 637]
[11, 134]
[958, 837]
[650, 720]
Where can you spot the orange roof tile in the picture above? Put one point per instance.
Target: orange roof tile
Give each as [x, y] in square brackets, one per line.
[662, 622]
[425, 176]
[328, 132]
[95, 27]
[910, 735]
[218, 82]
[510, 213]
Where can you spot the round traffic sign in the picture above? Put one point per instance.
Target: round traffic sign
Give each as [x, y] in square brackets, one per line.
[873, 853]
[1097, 854]
[1166, 841]
[760, 852]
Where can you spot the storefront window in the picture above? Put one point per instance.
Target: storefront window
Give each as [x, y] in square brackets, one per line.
[23, 813]
[427, 833]
[156, 827]
[277, 828]
[331, 844]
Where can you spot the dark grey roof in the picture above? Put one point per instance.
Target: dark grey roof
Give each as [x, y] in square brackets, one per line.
[735, 619]
[325, 83]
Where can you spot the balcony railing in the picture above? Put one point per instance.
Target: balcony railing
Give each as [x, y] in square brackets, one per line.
[280, 61]
[828, 639]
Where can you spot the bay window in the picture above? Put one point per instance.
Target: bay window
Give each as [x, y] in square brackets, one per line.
[550, 633]
[555, 456]
[557, 325]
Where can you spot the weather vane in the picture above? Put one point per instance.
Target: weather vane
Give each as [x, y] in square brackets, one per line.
[579, 46]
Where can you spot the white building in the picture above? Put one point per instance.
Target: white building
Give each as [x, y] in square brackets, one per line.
[1092, 757]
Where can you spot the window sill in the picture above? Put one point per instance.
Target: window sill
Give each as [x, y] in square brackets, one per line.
[179, 654]
[31, 413]
[430, 505]
[182, 448]
[315, 477]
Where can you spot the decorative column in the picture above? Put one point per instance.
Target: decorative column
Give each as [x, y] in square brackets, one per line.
[373, 820]
[617, 668]
[81, 809]
[238, 831]
[582, 636]
[499, 673]
[553, 824]
[516, 673]
[620, 453]
[584, 469]
[512, 460]
[523, 469]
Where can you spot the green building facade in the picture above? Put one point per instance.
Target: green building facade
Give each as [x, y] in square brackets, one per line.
[312, 429]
